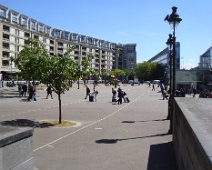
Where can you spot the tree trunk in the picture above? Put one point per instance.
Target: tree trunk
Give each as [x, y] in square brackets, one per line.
[60, 112]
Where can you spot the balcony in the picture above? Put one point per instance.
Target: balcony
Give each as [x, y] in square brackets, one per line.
[6, 28]
[6, 37]
[5, 54]
[6, 46]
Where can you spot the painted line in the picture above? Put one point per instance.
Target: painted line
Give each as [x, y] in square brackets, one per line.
[84, 127]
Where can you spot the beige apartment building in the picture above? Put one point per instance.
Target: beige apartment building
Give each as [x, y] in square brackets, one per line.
[16, 28]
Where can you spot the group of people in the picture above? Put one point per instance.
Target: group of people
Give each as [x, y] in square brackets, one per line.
[92, 96]
[120, 94]
[31, 89]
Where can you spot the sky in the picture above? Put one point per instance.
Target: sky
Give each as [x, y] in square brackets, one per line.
[128, 21]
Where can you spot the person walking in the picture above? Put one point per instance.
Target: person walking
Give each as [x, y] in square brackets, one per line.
[24, 89]
[30, 91]
[49, 91]
[120, 95]
[87, 92]
[34, 93]
[114, 95]
[153, 87]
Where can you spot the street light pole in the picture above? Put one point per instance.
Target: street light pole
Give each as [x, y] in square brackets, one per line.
[169, 43]
[173, 19]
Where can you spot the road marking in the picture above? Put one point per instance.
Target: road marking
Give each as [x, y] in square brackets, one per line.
[84, 127]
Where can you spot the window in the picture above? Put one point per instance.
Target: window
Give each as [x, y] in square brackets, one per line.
[41, 28]
[5, 63]
[65, 35]
[15, 19]
[6, 28]
[32, 24]
[23, 22]
[26, 34]
[56, 33]
[2, 13]
[6, 37]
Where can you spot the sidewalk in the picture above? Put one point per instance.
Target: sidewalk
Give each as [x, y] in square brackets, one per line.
[131, 136]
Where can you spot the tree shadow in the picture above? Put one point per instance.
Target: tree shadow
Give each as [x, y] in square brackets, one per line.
[26, 123]
[113, 141]
[156, 120]
[161, 157]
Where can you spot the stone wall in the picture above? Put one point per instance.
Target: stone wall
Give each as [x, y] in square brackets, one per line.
[192, 135]
[16, 148]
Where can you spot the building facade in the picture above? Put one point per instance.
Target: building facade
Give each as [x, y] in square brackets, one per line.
[16, 28]
[163, 56]
[206, 59]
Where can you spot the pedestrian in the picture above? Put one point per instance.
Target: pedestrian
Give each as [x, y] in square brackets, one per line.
[153, 87]
[20, 90]
[24, 89]
[34, 93]
[165, 95]
[30, 91]
[114, 95]
[94, 94]
[49, 91]
[120, 95]
[194, 92]
[87, 92]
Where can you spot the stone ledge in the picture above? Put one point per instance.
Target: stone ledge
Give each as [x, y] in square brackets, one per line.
[10, 135]
[192, 133]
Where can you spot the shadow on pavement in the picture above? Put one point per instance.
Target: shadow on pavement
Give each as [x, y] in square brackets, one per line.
[144, 121]
[26, 123]
[161, 157]
[113, 141]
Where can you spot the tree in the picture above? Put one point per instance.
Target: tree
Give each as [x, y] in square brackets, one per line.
[150, 71]
[30, 60]
[54, 70]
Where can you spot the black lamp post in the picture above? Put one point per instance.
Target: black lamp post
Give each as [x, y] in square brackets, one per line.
[173, 19]
[169, 43]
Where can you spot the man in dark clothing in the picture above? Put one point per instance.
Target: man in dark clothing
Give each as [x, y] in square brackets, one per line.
[24, 90]
[87, 92]
[31, 91]
[49, 91]
[120, 95]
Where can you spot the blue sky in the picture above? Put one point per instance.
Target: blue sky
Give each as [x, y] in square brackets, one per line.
[124, 21]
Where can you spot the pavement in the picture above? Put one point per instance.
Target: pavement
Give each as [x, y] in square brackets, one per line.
[130, 136]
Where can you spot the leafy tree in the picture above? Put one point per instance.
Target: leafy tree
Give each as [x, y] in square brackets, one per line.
[118, 73]
[143, 71]
[29, 60]
[35, 63]
[150, 71]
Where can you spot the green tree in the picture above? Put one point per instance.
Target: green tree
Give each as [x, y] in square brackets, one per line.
[150, 71]
[30, 60]
[54, 70]
[143, 71]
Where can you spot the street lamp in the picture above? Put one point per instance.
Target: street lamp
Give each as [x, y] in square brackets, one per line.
[173, 19]
[169, 43]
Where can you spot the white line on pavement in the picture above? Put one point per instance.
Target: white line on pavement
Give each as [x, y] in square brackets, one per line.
[84, 127]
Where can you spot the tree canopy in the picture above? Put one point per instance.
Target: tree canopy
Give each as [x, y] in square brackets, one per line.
[150, 71]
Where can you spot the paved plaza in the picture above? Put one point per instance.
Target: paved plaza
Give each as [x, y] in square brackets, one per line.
[130, 136]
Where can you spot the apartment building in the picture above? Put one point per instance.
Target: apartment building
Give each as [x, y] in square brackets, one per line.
[16, 28]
